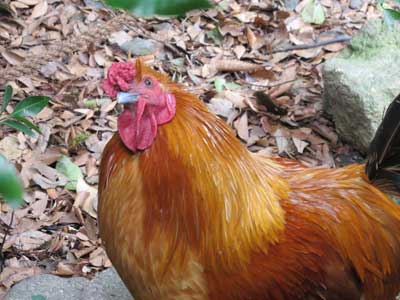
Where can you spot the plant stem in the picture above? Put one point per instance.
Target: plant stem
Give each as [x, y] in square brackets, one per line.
[6, 233]
[4, 118]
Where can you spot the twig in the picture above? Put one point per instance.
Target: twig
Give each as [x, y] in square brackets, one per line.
[270, 85]
[2, 260]
[177, 51]
[339, 39]
[233, 65]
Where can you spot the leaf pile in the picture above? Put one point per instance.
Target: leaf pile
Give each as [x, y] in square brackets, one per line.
[224, 55]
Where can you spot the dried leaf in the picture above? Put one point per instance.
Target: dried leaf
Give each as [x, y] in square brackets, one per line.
[40, 9]
[242, 128]
[300, 145]
[12, 57]
[86, 198]
[64, 270]
[9, 147]
[31, 240]
[221, 107]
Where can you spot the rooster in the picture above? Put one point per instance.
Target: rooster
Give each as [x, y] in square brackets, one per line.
[187, 212]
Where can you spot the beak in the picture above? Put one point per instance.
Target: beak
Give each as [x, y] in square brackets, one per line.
[127, 98]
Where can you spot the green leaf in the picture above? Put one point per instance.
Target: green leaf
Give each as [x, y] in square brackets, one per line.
[215, 35]
[30, 106]
[93, 103]
[390, 16]
[80, 138]
[19, 126]
[159, 7]
[313, 12]
[38, 297]
[66, 167]
[11, 188]
[28, 123]
[219, 83]
[224, 5]
[232, 86]
[6, 98]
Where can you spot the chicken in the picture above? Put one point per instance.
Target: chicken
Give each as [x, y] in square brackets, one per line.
[187, 212]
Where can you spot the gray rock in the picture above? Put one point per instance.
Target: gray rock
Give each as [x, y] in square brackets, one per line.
[162, 26]
[362, 81]
[106, 286]
[50, 287]
[138, 46]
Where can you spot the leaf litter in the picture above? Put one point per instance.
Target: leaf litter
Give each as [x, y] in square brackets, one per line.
[224, 55]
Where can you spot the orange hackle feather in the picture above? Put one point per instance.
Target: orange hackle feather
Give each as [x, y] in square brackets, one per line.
[197, 216]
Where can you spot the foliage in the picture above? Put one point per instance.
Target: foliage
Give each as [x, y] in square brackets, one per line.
[158, 7]
[28, 107]
[80, 138]
[390, 14]
[11, 188]
[313, 12]
[66, 167]
[220, 84]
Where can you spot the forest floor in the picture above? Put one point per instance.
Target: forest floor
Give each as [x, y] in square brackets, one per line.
[224, 55]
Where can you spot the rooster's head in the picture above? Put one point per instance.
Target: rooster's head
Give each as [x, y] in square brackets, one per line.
[147, 102]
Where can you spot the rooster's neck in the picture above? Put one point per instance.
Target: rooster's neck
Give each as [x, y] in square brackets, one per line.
[205, 189]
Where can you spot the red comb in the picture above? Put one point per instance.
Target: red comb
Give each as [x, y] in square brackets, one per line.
[119, 77]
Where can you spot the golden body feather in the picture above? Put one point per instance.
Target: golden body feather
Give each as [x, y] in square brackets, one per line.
[197, 216]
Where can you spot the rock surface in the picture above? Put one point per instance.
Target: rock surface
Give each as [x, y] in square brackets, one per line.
[106, 286]
[362, 81]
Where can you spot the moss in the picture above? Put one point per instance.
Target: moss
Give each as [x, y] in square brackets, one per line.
[371, 39]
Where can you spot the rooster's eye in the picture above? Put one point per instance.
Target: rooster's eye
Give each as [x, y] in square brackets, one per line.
[148, 82]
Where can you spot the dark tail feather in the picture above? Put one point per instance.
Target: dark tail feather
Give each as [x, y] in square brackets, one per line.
[383, 164]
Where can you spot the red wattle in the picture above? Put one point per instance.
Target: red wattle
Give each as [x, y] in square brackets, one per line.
[138, 123]
[127, 128]
[137, 127]
[147, 132]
